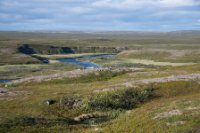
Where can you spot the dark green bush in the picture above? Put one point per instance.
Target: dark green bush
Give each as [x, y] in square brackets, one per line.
[118, 99]
[71, 106]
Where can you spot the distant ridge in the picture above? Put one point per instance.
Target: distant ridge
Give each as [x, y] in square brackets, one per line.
[98, 34]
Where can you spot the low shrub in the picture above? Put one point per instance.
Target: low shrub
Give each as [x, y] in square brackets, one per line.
[71, 106]
[118, 99]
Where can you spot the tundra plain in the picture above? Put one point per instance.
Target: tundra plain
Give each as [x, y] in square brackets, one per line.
[151, 84]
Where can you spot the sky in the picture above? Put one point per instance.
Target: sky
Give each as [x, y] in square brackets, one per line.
[99, 15]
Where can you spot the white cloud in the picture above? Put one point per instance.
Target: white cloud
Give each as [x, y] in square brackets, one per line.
[135, 4]
[102, 12]
[179, 3]
[80, 10]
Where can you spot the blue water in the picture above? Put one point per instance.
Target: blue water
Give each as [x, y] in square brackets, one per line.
[2, 81]
[85, 64]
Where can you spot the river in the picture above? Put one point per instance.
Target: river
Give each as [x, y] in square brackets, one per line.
[2, 81]
[85, 64]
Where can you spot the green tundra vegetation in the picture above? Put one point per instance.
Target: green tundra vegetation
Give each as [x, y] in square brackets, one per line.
[150, 85]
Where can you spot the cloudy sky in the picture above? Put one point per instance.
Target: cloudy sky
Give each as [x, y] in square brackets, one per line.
[110, 15]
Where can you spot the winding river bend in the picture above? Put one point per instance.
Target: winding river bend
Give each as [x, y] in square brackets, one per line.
[86, 64]
[76, 61]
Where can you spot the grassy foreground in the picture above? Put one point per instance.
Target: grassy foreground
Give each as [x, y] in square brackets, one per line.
[77, 107]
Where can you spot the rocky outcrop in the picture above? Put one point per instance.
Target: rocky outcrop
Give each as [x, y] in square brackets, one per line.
[85, 117]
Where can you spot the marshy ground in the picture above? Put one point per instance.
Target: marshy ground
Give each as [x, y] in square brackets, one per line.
[151, 84]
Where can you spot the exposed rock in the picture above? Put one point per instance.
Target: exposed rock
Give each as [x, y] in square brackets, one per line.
[85, 117]
[135, 83]
[50, 102]
[98, 129]
[14, 93]
[193, 108]
[168, 114]
[3, 90]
